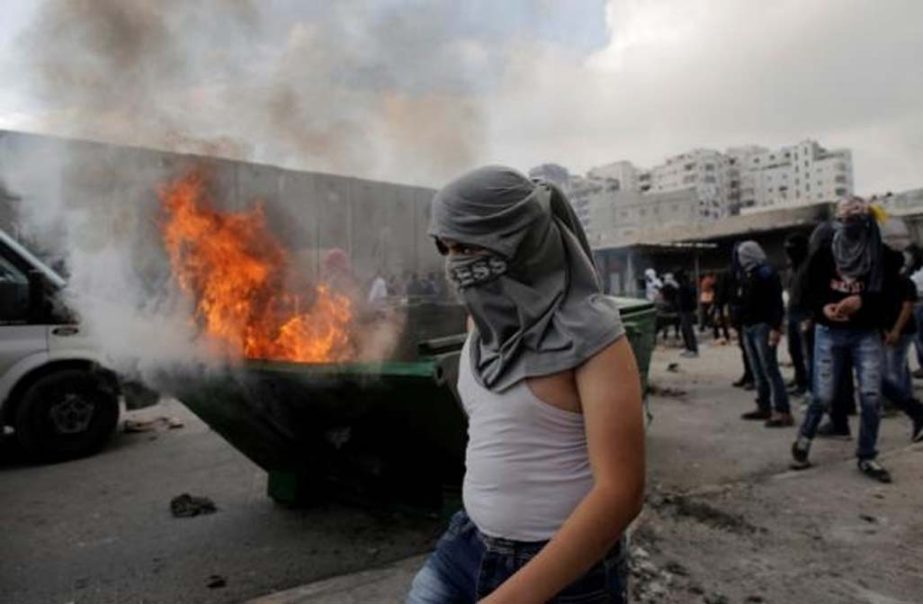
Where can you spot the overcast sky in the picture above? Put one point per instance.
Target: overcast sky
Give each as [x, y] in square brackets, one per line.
[416, 91]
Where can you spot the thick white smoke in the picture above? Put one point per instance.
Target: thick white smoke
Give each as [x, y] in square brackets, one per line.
[380, 93]
[370, 93]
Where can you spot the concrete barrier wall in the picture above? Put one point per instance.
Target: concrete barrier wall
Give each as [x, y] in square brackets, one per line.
[109, 193]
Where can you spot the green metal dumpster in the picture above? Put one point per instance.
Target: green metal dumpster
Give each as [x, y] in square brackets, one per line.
[640, 319]
[386, 434]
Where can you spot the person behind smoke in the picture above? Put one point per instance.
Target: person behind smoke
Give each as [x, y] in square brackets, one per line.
[435, 286]
[337, 274]
[687, 305]
[761, 317]
[846, 293]
[796, 248]
[652, 285]
[555, 455]
[414, 287]
[378, 292]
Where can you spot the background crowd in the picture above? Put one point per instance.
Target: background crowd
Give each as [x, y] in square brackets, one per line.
[849, 312]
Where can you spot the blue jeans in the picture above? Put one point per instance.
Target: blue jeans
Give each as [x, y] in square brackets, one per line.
[467, 566]
[896, 384]
[765, 368]
[918, 340]
[831, 349]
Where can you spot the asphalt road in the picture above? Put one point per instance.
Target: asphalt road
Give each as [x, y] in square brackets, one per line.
[100, 529]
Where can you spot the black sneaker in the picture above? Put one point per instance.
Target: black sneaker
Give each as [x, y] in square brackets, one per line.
[759, 414]
[741, 383]
[799, 457]
[828, 430]
[918, 373]
[873, 469]
[917, 435]
[780, 420]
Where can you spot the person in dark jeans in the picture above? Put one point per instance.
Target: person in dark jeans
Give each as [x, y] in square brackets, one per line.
[846, 293]
[687, 304]
[896, 383]
[762, 314]
[796, 248]
[733, 291]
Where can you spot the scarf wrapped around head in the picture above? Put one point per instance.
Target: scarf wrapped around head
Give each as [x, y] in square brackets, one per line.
[750, 255]
[857, 248]
[533, 292]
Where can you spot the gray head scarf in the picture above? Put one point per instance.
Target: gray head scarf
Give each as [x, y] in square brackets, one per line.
[856, 246]
[750, 255]
[533, 294]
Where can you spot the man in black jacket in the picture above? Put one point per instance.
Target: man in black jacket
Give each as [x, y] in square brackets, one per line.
[687, 304]
[846, 285]
[762, 313]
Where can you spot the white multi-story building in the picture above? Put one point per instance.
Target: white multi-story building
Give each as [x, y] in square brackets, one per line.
[796, 175]
[712, 183]
[704, 170]
[604, 209]
[624, 172]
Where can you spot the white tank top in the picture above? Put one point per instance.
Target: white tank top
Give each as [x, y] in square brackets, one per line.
[527, 465]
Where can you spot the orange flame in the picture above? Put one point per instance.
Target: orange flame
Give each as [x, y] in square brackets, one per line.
[236, 271]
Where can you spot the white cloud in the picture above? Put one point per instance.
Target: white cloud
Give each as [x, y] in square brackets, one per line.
[679, 74]
[402, 94]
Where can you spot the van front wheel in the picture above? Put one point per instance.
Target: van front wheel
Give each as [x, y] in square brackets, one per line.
[65, 415]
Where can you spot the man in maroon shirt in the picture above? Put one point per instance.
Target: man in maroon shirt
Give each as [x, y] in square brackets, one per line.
[846, 297]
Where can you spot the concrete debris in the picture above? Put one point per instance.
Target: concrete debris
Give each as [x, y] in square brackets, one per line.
[655, 390]
[216, 582]
[683, 506]
[134, 426]
[187, 506]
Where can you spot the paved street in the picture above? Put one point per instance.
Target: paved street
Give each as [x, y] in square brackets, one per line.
[725, 517]
[99, 530]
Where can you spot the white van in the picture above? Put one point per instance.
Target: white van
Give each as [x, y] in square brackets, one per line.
[57, 399]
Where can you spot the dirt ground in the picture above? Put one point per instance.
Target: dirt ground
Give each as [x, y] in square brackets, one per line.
[727, 521]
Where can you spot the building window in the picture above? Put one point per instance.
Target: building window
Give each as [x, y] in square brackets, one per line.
[840, 191]
[642, 212]
[709, 178]
[840, 178]
[807, 186]
[709, 167]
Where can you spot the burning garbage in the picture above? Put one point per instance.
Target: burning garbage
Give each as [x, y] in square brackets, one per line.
[240, 278]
